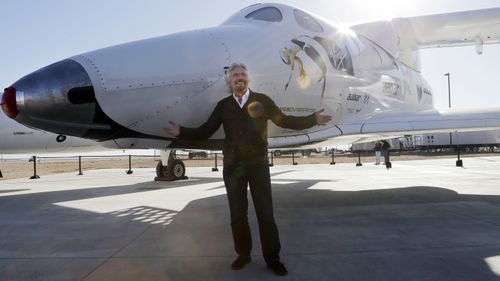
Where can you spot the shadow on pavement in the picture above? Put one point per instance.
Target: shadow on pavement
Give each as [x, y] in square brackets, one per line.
[407, 233]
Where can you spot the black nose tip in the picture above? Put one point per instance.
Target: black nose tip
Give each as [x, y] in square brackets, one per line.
[58, 98]
[9, 104]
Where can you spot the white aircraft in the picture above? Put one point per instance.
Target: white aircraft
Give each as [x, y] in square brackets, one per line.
[19, 139]
[367, 77]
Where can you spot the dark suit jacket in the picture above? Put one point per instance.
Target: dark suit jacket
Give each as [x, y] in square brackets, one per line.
[246, 128]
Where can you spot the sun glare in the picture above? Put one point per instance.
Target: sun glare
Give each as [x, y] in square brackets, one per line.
[345, 29]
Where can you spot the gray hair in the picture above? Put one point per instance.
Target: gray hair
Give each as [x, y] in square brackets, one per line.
[232, 67]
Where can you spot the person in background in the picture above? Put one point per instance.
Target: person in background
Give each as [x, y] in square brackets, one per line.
[385, 151]
[377, 149]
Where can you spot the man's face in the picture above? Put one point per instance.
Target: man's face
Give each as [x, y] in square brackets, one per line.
[238, 79]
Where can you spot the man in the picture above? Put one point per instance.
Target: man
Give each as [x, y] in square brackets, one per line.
[377, 149]
[244, 116]
[385, 151]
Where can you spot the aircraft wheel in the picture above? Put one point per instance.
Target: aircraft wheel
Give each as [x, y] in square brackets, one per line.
[161, 171]
[177, 169]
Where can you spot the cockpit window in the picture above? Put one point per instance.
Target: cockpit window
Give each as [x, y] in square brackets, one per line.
[307, 21]
[271, 14]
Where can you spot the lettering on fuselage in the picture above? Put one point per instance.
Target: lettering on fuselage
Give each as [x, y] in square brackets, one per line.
[22, 133]
[297, 109]
[390, 88]
[353, 97]
[353, 110]
[366, 99]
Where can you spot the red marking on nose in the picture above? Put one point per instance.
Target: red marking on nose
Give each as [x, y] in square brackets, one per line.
[9, 104]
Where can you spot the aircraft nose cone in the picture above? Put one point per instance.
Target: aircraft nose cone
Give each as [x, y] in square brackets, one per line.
[9, 103]
[58, 98]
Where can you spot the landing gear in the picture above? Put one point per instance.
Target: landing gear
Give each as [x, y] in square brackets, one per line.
[174, 170]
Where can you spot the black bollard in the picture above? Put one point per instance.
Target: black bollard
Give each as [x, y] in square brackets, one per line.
[35, 176]
[359, 160]
[214, 169]
[293, 158]
[333, 157]
[272, 160]
[80, 166]
[129, 165]
[1, 176]
[459, 162]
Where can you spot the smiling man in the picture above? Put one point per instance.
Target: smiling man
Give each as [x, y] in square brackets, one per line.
[244, 116]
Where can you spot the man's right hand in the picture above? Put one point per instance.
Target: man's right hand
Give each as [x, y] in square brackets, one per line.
[172, 129]
[322, 119]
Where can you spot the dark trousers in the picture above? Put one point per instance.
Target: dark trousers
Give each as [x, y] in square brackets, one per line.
[386, 156]
[236, 178]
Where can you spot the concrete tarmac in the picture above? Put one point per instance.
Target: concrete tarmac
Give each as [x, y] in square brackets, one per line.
[420, 220]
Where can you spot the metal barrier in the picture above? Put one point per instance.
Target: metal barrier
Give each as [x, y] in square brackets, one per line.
[80, 159]
[36, 160]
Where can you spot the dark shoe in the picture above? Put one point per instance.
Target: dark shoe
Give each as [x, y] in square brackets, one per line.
[278, 268]
[240, 262]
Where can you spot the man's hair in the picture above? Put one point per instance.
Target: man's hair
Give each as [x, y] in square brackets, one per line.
[233, 66]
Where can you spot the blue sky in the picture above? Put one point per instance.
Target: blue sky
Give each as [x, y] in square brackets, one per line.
[36, 33]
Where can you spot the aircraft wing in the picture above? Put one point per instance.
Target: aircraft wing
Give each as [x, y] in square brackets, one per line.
[454, 29]
[393, 124]
[428, 121]
[403, 37]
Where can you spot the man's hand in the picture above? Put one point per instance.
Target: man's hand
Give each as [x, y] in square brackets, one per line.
[172, 129]
[322, 119]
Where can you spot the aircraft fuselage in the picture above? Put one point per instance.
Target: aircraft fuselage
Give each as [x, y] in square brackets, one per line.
[129, 92]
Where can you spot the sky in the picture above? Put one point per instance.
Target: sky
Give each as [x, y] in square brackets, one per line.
[36, 33]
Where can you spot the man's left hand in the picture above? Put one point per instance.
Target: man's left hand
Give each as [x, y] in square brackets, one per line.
[322, 119]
